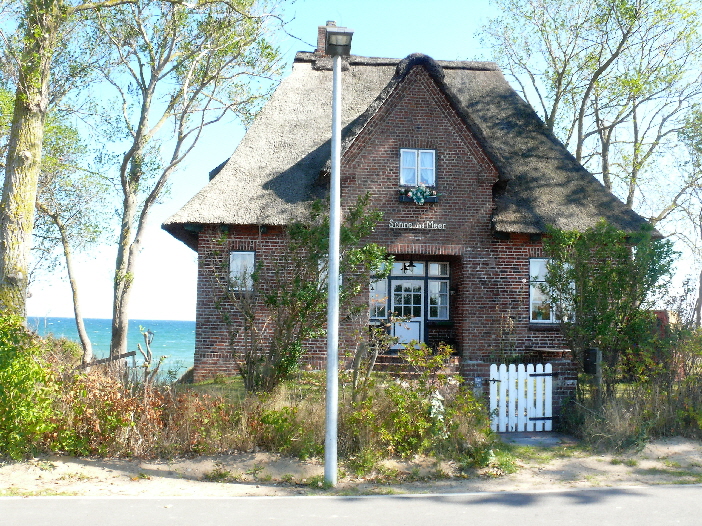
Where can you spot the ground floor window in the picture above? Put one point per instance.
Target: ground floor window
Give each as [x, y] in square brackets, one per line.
[417, 291]
[540, 308]
[241, 268]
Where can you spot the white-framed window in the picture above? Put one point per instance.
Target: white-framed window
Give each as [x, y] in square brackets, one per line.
[432, 278]
[438, 270]
[417, 167]
[407, 268]
[241, 269]
[438, 299]
[378, 299]
[540, 308]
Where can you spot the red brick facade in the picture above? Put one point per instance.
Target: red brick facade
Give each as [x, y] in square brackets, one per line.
[489, 277]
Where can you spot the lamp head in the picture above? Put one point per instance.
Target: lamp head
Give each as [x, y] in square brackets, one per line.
[338, 41]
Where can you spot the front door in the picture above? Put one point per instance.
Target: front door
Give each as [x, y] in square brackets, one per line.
[407, 301]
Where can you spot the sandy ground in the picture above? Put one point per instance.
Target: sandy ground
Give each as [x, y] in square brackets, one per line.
[561, 464]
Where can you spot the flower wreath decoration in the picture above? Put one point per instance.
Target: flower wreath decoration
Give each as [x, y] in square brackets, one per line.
[418, 194]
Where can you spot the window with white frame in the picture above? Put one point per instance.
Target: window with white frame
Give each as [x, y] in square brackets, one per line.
[417, 167]
[433, 275]
[378, 299]
[438, 291]
[438, 299]
[241, 269]
[540, 308]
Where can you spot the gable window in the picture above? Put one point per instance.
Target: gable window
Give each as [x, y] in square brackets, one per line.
[417, 167]
[241, 269]
[540, 308]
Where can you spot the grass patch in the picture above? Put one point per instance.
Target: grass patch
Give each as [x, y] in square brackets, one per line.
[45, 465]
[631, 462]
[81, 477]
[230, 388]
[684, 476]
[218, 474]
[592, 479]
[317, 482]
[543, 455]
[255, 470]
[16, 492]
[288, 478]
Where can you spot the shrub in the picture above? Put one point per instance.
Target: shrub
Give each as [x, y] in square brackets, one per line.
[27, 388]
[427, 412]
[97, 413]
[48, 403]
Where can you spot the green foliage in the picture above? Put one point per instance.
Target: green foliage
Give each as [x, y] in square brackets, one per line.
[603, 282]
[283, 431]
[364, 462]
[48, 404]
[27, 388]
[373, 341]
[427, 412]
[666, 402]
[71, 202]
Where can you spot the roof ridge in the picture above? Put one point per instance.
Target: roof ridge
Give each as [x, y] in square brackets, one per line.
[358, 60]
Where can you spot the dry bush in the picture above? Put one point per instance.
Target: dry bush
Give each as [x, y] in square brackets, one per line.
[104, 412]
[639, 412]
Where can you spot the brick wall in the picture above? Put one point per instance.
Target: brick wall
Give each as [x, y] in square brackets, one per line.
[489, 277]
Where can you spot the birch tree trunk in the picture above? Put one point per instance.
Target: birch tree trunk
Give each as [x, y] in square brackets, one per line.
[124, 277]
[41, 21]
[80, 325]
[24, 152]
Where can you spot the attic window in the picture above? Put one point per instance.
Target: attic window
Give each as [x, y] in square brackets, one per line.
[417, 167]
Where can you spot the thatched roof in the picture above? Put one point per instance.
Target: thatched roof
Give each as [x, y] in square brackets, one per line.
[274, 172]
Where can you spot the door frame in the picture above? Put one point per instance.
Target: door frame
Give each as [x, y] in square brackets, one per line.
[420, 320]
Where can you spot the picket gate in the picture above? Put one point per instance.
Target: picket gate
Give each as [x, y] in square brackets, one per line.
[520, 397]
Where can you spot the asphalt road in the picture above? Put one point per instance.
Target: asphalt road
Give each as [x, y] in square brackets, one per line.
[641, 506]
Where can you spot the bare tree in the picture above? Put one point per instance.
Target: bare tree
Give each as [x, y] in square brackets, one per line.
[175, 70]
[71, 209]
[613, 80]
[42, 27]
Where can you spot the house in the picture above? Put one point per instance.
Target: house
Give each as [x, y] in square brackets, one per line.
[491, 174]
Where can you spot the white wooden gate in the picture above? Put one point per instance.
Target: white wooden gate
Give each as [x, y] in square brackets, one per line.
[520, 397]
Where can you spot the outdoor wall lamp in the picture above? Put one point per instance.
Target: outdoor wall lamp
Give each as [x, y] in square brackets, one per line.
[408, 268]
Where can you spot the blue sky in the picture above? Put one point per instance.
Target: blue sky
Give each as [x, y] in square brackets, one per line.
[165, 283]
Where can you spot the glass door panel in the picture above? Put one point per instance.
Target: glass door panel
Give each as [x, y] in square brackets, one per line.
[408, 302]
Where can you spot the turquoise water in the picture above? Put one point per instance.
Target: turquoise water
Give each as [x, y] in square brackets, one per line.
[174, 339]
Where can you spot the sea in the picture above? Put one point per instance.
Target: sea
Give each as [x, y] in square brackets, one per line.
[173, 339]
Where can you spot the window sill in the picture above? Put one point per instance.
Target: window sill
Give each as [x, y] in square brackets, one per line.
[550, 326]
[428, 199]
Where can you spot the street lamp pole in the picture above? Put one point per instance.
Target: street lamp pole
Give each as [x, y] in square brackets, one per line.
[338, 44]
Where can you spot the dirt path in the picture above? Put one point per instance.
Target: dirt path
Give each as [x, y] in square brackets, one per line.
[560, 465]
